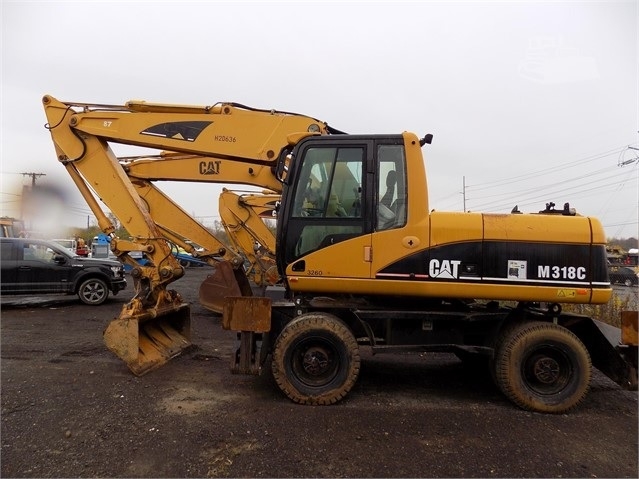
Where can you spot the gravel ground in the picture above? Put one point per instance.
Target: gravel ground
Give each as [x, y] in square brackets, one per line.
[72, 409]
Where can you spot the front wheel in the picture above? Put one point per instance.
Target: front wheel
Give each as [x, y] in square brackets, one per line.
[542, 367]
[93, 291]
[316, 359]
[628, 282]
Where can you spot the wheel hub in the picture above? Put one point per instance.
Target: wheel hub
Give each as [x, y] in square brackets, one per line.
[315, 361]
[546, 370]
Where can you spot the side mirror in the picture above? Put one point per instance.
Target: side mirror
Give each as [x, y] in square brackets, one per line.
[59, 259]
[427, 139]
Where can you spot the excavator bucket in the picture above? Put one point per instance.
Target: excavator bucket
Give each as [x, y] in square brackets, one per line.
[147, 341]
[226, 281]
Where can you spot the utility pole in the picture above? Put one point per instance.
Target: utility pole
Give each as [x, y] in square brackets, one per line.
[632, 160]
[26, 190]
[464, 191]
[33, 177]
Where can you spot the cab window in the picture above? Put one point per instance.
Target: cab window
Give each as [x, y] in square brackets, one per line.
[391, 191]
[328, 197]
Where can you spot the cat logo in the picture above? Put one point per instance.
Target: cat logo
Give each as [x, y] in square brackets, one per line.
[210, 167]
[444, 269]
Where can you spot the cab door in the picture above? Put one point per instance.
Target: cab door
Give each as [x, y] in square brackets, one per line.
[391, 242]
[325, 229]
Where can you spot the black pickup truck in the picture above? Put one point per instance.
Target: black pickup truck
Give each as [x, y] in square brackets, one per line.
[37, 267]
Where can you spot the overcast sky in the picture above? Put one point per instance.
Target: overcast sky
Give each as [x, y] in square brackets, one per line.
[531, 102]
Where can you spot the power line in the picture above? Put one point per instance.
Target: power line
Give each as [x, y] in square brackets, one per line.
[539, 193]
[601, 182]
[537, 173]
[33, 177]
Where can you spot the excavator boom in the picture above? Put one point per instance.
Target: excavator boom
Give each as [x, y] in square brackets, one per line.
[362, 257]
[223, 143]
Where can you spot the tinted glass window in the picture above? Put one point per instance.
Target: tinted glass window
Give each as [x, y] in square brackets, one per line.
[8, 251]
[392, 192]
[327, 206]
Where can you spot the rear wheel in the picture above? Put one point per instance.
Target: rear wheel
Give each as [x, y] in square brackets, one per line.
[316, 359]
[93, 291]
[542, 367]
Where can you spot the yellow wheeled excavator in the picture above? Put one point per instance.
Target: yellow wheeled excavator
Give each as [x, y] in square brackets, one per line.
[363, 260]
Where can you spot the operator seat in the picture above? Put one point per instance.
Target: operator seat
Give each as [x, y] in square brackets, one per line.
[391, 180]
[385, 211]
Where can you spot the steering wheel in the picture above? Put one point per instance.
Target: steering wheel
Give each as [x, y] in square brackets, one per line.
[312, 211]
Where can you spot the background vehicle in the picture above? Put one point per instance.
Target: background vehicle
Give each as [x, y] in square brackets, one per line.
[81, 248]
[100, 248]
[34, 267]
[10, 227]
[363, 262]
[623, 275]
[70, 245]
[75, 247]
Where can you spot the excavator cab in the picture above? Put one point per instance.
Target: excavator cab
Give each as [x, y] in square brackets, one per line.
[340, 191]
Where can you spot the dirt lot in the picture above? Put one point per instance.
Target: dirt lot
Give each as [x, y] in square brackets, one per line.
[72, 409]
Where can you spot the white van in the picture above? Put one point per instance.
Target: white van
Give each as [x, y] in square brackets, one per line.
[70, 245]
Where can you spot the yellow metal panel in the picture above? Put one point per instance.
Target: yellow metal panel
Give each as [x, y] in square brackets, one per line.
[598, 233]
[465, 290]
[347, 259]
[391, 245]
[454, 227]
[537, 227]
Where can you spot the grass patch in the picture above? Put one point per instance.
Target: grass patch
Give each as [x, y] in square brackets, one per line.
[610, 312]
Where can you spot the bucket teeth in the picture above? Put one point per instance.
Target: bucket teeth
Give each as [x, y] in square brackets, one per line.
[144, 343]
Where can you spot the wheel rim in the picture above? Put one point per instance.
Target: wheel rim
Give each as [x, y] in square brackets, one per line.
[315, 361]
[547, 370]
[93, 292]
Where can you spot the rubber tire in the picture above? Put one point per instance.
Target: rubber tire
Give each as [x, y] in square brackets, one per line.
[93, 291]
[628, 282]
[316, 336]
[544, 345]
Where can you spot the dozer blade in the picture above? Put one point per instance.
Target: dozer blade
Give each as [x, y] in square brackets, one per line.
[226, 281]
[147, 341]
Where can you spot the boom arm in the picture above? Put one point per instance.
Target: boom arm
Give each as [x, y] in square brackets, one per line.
[202, 169]
[227, 142]
[225, 131]
[241, 215]
[242, 219]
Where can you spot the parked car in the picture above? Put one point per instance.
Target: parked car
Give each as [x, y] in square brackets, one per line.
[623, 275]
[70, 245]
[36, 267]
[75, 247]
